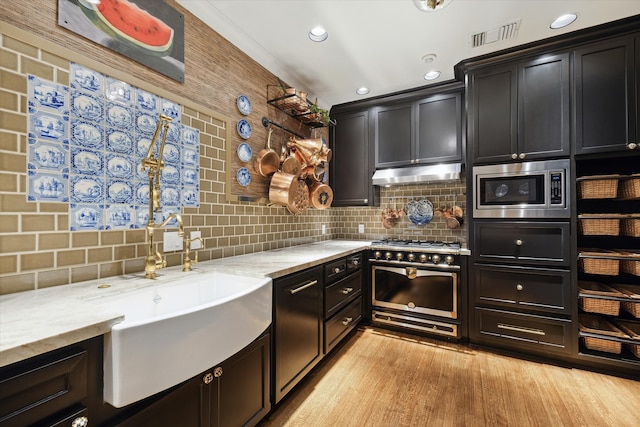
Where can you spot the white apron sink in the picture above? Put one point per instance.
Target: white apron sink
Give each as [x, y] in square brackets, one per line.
[176, 330]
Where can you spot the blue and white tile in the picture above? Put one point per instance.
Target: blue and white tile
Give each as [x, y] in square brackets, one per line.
[48, 126]
[119, 166]
[45, 95]
[87, 162]
[119, 217]
[142, 193]
[190, 136]
[142, 147]
[87, 189]
[171, 154]
[167, 211]
[170, 195]
[146, 123]
[141, 216]
[118, 91]
[190, 196]
[47, 187]
[51, 157]
[86, 79]
[190, 157]
[119, 116]
[119, 141]
[171, 109]
[141, 174]
[190, 175]
[174, 132]
[119, 191]
[87, 134]
[84, 217]
[87, 106]
[147, 102]
[170, 175]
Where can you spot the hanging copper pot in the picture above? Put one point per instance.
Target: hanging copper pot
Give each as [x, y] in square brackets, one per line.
[320, 195]
[301, 200]
[267, 160]
[290, 163]
[283, 188]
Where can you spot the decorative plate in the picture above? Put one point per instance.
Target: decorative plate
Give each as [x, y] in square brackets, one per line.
[244, 128]
[244, 105]
[420, 212]
[244, 176]
[244, 152]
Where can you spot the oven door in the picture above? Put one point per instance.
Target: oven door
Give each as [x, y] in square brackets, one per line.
[416, 290]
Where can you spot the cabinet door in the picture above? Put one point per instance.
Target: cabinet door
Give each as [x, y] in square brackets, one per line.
[439, 129]
[298, 328]
[350, 167]
[393, 136]
[244, 386]
[493, 117]
[544, 107]
[605, 96]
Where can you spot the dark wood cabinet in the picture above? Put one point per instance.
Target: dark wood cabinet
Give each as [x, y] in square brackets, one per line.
[425, 131]
[298, 327]
[351, 166]
[606, 95]
[520, 110]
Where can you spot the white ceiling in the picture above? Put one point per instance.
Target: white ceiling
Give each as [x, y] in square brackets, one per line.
[380, 43]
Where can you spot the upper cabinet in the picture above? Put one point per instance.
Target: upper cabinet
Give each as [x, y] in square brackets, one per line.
[422, 131]
[606, 95]
[521, 110]
[351, 166]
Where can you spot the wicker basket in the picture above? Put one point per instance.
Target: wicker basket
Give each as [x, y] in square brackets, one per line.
[630, 188]
[631, 267]
[631, 227]
[597, 325]
[598, 188]
[605, 267]
[591, 301]
[633, 294]
[599, 226]
[633, 308]
[633, 330]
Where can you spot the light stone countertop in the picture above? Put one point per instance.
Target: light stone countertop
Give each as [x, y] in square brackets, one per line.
[35, 322]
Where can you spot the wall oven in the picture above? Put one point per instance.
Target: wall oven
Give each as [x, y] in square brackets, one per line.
[522, 190]
[415, 285]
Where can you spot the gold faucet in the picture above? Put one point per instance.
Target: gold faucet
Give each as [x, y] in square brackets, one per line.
[154, 259]
[187, 261]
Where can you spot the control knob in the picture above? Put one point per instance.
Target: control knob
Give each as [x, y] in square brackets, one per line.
[387, 256]
[435, 259]
[423, 258]
[399, 256]
[377, 255]
[411, 257]
[448, 259]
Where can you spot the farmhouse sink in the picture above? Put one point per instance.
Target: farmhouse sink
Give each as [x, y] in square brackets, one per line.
[176, 330]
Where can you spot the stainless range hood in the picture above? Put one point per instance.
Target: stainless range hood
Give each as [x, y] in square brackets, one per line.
[417, 174]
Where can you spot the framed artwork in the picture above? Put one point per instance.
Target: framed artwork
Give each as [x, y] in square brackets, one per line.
[147, 31]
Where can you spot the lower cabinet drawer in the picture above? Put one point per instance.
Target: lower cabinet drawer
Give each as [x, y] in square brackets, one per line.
[339, 325]
[546, 290]
[523, 331]
[337, 295]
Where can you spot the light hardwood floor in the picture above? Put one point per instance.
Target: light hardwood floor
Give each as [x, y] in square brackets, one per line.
[381, 378]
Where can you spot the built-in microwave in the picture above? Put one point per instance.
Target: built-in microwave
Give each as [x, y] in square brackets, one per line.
[522, 190]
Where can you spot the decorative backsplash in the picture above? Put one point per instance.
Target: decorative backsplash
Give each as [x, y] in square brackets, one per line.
[86, 142]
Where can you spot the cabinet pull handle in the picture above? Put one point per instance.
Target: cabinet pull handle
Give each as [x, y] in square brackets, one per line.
[208, 377]
[80, 422]
[632, 146]
[519, 287]
[522, 156]
[514, 156]
[521, 329]
[519, 242]
[346, 291]
[355, 263]
[303, 287]
[347, 320]
[336, 270]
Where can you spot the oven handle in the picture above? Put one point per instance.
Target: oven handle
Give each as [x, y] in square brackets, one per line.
[521, 329]
[303, 287]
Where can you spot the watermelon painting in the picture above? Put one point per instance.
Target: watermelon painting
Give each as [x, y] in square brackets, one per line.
[148, 31]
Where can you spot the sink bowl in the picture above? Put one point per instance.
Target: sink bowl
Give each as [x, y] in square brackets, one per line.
[174, 331]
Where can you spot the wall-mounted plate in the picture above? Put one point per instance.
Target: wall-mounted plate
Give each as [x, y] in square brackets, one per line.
[244, 105]
[244, 152]
[244, 128]
[243, 176]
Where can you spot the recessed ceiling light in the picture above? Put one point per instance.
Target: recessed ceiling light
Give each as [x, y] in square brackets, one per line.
[429, 58]
[563, 20]
[431, 5]
[432, 75]
[362, 90]
[318, 34]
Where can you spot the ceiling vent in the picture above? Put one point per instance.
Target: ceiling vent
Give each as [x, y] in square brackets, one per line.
[503, 32]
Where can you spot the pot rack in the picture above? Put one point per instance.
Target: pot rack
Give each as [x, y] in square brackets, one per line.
[267, 122]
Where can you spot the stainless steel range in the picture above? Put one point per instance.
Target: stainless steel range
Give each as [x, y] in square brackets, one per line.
[415, 285]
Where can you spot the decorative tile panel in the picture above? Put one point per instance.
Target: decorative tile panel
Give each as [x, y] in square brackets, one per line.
[85, 145]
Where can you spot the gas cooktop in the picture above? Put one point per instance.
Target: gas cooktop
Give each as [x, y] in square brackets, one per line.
[418, 245]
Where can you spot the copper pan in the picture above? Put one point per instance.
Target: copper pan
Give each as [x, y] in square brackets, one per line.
[283, 188]
[267, 160]
[290, 163]
[320, 195]
[301, 199]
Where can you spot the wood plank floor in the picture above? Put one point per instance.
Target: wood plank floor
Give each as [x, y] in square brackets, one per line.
[384, 378]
